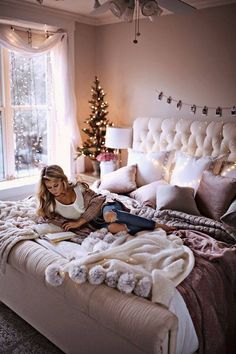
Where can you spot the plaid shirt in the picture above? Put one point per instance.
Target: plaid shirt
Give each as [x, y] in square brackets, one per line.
[93, 203]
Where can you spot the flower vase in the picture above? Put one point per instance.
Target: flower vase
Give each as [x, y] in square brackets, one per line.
[107, 167]
[96, 168]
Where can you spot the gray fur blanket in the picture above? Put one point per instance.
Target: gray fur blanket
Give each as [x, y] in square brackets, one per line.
[183, 221]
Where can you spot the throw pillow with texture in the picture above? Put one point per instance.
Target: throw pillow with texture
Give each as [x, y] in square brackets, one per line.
[229, 217]
[121, 181]
[215, 194]
[147, 194]
[188, 169]
[151, 166]
[176, 198]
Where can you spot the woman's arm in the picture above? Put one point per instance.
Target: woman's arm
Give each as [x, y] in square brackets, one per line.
[73, 224]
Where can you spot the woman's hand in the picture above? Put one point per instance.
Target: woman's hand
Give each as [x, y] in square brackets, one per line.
[68, 225]
[73, 224]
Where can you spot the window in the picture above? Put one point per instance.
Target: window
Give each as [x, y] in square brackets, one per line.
[25, 110]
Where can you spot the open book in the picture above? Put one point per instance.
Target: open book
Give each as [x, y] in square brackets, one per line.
[53, 233]
[59, 236]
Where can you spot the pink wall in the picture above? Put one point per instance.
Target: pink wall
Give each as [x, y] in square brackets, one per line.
[188, 57]
[84, 67]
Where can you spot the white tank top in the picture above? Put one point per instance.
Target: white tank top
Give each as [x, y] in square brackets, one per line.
[74, 210]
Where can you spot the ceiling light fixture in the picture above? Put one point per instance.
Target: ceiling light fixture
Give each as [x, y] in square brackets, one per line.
[127, 10]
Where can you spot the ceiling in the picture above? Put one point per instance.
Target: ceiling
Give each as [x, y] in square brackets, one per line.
[82, 8]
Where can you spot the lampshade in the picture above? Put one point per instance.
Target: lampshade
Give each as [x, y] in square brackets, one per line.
[118, 138]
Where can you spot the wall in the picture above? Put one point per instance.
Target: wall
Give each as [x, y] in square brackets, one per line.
[188, 57]
[84, 72]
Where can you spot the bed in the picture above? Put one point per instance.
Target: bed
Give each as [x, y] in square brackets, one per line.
[198, 313]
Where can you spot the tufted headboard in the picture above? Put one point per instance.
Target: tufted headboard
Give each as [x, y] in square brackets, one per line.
[198, 138]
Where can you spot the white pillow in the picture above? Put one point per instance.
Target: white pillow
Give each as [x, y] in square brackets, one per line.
[151, 166]
[188, 169]
[121, 181]
[147, 194]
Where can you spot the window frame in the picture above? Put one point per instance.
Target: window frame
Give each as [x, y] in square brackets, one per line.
[7, 110]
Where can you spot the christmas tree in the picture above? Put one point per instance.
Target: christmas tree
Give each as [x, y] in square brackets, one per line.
[97, 121]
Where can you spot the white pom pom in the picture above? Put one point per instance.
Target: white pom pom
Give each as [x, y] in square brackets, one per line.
[97, 275]
[109, 238]
[143, 287]
[103, 231]
[78, 273]
[96, 234]
[54, 275]
[112, 278]
[89, 243]
[121, 233]
[126, 283]
[100, 246]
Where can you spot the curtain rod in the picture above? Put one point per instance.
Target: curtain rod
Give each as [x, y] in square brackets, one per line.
[34, 30]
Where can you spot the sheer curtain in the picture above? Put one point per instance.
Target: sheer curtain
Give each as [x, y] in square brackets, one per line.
[66, 135]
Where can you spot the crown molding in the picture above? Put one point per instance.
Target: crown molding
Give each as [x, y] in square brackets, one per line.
[203, 4]
[36, 8]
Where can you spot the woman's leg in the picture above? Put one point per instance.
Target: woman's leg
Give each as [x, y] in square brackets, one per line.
[114, 213]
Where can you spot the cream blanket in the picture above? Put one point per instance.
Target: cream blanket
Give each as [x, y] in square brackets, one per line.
[16, 221]
[163, 258]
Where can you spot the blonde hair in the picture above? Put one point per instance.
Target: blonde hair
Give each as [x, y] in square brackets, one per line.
[45, 198]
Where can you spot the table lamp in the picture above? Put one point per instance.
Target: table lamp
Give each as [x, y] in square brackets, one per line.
[118, 138]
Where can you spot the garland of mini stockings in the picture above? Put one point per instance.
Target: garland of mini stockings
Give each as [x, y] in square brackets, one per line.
[193, 107]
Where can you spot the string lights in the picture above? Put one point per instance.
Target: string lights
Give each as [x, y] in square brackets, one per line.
[193, 107]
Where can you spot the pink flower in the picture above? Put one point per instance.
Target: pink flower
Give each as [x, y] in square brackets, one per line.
[107, 156]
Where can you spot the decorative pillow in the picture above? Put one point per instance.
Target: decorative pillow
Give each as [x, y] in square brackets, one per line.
[176, 198]
[147, 194]
[215, 194]
[151, 166]
[188, 169]
[229, 217]
[121, 181]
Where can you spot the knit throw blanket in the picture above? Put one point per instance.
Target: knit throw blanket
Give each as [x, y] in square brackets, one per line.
[16, 224]
[177, 219]
[150, 258]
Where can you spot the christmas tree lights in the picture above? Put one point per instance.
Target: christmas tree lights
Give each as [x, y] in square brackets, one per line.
[98, 122]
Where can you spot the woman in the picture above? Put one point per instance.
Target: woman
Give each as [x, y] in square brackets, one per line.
[81, 206]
